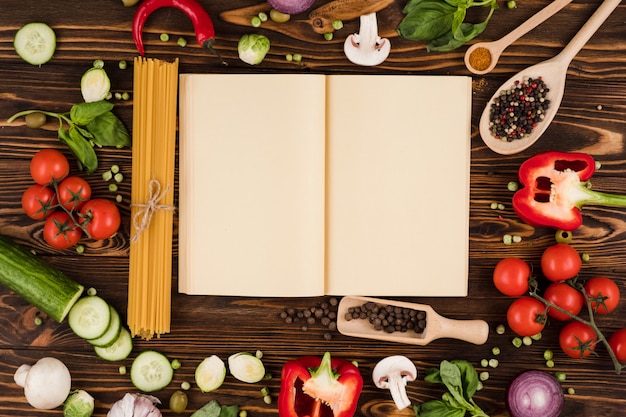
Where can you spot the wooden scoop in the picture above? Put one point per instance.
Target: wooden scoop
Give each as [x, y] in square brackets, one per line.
[437, 326]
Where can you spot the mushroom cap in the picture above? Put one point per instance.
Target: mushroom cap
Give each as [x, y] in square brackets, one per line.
[47, 384]
[396, 365]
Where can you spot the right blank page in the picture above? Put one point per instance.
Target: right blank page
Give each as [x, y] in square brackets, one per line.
[398, 162]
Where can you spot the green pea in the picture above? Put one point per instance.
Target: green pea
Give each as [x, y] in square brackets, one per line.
[35, 120]
[178, 402]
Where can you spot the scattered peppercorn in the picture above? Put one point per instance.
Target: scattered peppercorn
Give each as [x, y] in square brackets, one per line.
[324, 314]
[516, 111]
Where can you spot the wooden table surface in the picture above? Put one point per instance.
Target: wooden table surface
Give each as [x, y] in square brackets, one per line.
[591, 119]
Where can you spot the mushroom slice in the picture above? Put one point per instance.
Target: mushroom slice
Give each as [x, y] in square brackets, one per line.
[393, 373]
[366, 47]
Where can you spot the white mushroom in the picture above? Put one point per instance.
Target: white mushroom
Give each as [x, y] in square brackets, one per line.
[392, 373]
[366, 47]
[46, 384]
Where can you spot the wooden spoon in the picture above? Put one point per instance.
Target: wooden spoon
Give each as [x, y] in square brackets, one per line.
[553, 72]
[495, 48]
[437, 326]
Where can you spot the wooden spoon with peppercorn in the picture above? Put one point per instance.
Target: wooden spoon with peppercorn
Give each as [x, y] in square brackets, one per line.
[524, 106]
[482, 57]
[403, 322]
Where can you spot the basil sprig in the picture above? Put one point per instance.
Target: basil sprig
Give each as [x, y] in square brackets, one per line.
[442, 22]
[88, 125]
[461, 380]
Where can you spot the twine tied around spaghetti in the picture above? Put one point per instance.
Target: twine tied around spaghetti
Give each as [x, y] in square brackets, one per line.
[143, 217]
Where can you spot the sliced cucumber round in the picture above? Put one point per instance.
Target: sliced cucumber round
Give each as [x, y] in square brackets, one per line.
[119, 350]
[151, 371]
[35, 43]
[210, 373]
[112, 333]
[89, 318]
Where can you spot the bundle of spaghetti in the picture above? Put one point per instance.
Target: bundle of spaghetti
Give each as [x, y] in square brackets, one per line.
[152, 196]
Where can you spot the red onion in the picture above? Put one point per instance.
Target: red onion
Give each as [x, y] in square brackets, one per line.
[291, 6]
[535, 394]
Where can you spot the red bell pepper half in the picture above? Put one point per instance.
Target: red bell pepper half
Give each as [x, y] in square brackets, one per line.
[555, 189]
[316, 387]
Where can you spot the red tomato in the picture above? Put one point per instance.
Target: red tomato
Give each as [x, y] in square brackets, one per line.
[603, 294]
[73, 193]
[48, 166]
[565, 296]
[60, 231]
[526, 316]
[38, 201]
[560, 262]
[577, 340]
[510, 276]
[617, 341]
[101, 218]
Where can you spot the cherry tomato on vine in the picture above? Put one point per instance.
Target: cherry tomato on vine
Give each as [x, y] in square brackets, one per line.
[101, 218]
[617, 341]
[603, 294]
[73, 192]
[577, 340]
[511, 275]
[560, 262]
[38, 201]
[60, 231]
[526, 316]
[566, 297]
[48, 166]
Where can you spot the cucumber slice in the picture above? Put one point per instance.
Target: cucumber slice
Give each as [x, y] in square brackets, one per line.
[89, 318]
[151, 371]
[35, 43]
[119, 350]
[112, 333]
[210, 373]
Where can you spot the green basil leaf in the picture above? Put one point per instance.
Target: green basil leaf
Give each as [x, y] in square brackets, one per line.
[229, 411]
[83, 113]
[438, 408]
[469, 377]
[433, 376]
[210, 409]
[427, 20]
[451, 377]
[108, 130]
[80, 147]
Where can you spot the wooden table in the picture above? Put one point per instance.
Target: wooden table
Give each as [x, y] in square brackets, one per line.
[591, 119]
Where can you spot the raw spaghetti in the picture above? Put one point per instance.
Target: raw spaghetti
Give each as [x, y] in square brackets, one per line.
[152, 196]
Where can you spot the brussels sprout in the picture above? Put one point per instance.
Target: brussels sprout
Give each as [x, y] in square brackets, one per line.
[78, 404]
[252, 48]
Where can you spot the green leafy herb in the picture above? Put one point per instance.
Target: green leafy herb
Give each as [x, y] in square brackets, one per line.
[89, 124]
[461, 380]
[214, 409]
[442, 22]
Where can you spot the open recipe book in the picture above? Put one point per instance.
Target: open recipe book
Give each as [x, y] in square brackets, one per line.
[306, 184]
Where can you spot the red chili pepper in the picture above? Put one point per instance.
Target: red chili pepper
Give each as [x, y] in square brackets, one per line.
[202, 23]
[555, 189]
[315, 387]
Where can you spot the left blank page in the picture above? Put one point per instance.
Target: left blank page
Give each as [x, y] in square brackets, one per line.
[251, 169]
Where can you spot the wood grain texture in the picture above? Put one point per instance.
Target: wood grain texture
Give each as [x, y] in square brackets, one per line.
[591, 119]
